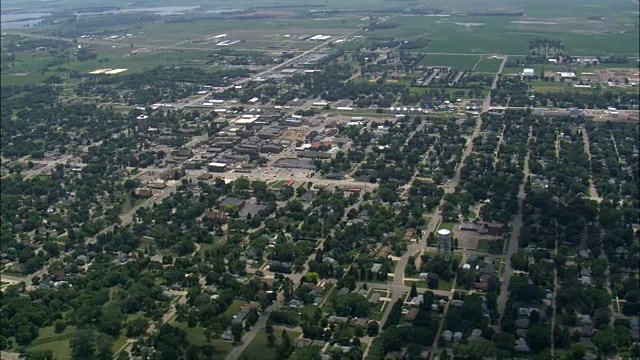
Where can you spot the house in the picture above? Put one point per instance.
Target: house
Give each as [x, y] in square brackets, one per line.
[227, 335]
[416, 301]
[361, 321]
[376, 267]
[584, 319]
[239, 318]
[344, 291]
[394, 355]
[295, 303]
[384, 252]
[308, 196]
[411, 315]
[587, 343]
[493, 228]
[254, 305]
[302, 342]
[216, 215]
[457, 303]
[447, 335]
[318, 343]
[337, 319]
[475, 333]
[120, 259]
[423, 276]
[522, 346]
[144, 192]
[344, 349]
[375, 298]
[409, 234]
[487, 269]
[522, 323]
[457, 336]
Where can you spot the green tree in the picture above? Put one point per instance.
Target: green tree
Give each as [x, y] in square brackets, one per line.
[605, 340]
[46, 354]
[271, 339]
[414, 291]
[476, 349]
[111, 320]
[59, 325]
[236, 330]
[373, 328]
[539, 337]
[83, 345]
[104, 347]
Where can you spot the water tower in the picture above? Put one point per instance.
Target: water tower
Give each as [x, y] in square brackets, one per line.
[444, 241]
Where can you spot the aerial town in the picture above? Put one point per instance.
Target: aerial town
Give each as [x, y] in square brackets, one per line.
[336, 180]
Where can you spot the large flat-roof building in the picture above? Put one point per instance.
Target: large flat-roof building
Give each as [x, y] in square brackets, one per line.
[217, 167]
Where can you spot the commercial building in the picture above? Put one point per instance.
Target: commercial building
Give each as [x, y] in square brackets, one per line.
[217, 167]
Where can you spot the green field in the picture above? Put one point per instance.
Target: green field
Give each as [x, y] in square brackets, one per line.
[507, 35]
[196, 337]
[48, 339]
[488, 65]
[458, 62]
[259, 348]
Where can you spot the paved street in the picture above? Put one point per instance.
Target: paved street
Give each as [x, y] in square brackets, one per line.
[516, 226]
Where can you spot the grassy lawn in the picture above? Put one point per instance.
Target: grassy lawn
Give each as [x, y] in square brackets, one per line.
[196, 337]
[446, 225]
[119, 342]
[57, 343]
[234, 307]
[419, 284]
[483, 244]
[259, 348]
[444, 285]
[375, 315]
[278, 184]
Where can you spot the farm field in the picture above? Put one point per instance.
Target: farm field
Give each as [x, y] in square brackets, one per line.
[500, 35]
[488, 65]
[457, 62]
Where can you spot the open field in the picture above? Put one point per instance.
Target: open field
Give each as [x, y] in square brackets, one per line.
[500, 35]
[488, 65]
[458, 62]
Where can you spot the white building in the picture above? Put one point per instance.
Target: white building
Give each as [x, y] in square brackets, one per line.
[528, 72]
